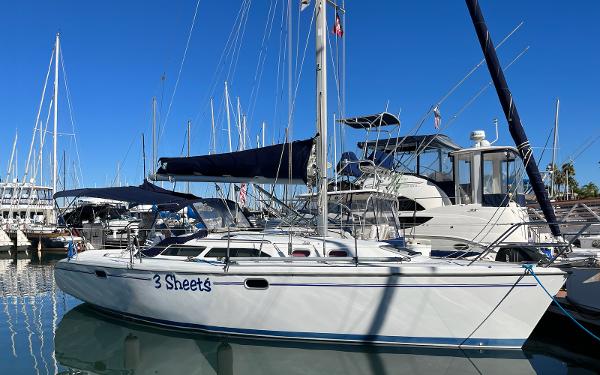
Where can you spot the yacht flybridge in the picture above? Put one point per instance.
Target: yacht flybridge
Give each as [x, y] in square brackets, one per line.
[311, 283]
[455, 200]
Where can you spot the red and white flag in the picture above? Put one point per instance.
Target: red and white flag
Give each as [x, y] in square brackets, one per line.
[243, 190]
[437, 117]
[304, 4]
[337, 26]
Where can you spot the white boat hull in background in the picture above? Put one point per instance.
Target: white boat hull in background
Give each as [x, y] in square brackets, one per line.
[439, 303]
[583, 287]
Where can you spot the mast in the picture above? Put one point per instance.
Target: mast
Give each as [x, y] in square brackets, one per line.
[189, 128]
[212, 127]
[144, 155]
[231, 194]
[153, 136]
[228, 117]
[245, 129]
[64, 170]
[554, 144]
[321, 60]
[12, 157]
[512, 115]
[239, 124]
[55, 131]
[263, 134]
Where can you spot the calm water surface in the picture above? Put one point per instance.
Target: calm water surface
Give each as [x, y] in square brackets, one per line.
[44, 331]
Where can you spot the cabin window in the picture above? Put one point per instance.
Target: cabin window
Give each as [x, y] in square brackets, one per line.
[221, 252]
[407, 204]
[338, 253]
[301, 253]
[435, 164]
[464, 185]
[183, 251]
[501, 172]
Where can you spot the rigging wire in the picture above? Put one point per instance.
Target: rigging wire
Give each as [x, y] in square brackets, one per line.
[187, 44]
[302, 63]
[261, 60]
[450, 122]
[421, 121]
[279, 76]
[71, 116]
[220, 62]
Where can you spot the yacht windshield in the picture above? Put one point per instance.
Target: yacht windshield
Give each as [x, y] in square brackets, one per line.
[502, 173]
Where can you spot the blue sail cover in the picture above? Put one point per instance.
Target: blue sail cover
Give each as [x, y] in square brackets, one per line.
[146, 193]
[265, 165]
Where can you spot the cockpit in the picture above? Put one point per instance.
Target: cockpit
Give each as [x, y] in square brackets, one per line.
[488, 175]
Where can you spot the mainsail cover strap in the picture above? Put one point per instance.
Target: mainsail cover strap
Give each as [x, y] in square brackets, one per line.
[268, 164]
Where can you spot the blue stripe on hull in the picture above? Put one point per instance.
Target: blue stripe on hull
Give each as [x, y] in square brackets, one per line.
[356, 338]
[336, 285]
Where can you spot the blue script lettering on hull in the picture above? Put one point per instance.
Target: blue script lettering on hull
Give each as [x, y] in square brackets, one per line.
[171, 282]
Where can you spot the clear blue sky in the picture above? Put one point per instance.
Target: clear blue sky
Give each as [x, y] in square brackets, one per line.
[406, 53]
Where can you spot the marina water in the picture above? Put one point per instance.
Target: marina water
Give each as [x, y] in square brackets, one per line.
[45, 331]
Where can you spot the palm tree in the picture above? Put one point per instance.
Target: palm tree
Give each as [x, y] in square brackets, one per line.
[568, 171]
[589, 190]
[559, 180]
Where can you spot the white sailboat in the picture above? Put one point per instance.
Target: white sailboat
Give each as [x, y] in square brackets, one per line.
[26, 205]
[372, 295]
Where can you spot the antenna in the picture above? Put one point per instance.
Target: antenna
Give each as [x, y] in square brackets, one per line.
[496, 125]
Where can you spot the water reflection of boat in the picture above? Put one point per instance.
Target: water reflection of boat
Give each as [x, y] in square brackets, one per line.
[30, 306]
[88, 341]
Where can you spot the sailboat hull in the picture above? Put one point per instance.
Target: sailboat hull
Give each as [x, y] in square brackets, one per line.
[411, 304]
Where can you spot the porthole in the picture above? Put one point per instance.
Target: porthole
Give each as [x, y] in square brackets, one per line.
[100, 273]
[260, 284]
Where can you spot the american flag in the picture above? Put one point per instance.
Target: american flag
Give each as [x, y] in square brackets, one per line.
[337, 26]
[243, 190]
[437, 117]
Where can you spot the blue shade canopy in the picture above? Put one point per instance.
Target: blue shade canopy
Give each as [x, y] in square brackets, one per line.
[265, 165]
[371, 121]
[411, 143]
[146, 193]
